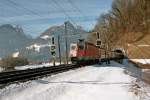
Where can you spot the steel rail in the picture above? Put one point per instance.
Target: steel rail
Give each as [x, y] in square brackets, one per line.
[13, 76]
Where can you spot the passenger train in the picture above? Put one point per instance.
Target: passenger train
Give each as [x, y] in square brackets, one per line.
[84, 52]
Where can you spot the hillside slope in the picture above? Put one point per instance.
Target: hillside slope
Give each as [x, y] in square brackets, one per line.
[12, 39]
[39, 48]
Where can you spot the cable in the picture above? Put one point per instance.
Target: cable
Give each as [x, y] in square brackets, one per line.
[18, 6]
[73, 5]
[21, 6]
[54, 9]
[77, 8]
[62, 9]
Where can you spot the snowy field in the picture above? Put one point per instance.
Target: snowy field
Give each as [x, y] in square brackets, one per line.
[142, 61]
[35, 66]
[96, 82]
[1, 69]
[145, 73]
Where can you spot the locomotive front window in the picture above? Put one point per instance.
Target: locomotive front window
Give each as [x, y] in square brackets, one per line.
[73, 47]
[81, 44]
[81, 47]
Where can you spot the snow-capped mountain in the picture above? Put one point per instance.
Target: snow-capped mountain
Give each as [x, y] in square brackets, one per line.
[39, 49]
[12, 39]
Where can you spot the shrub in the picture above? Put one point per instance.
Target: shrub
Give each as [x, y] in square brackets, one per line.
[9, 63]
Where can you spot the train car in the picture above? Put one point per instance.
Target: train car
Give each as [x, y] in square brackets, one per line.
[118, 56]
[84, 52]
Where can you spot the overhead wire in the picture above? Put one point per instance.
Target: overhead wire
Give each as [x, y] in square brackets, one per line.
[77, 8]
[65, 13]
[23, 7]
[17, 6]
[54, 8]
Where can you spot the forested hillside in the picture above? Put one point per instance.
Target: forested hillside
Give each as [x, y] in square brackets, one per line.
[126, 24]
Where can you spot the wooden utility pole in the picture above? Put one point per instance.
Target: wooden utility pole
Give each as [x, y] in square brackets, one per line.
[53, 50]
[59, 49]
[99, 44]
[98, 35]
[66, 42]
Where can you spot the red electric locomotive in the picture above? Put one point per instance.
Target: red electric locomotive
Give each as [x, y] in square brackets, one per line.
[84, 52]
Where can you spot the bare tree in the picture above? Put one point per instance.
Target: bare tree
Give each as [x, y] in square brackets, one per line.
[127, 22]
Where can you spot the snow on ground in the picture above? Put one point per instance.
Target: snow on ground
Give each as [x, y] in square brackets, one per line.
[141, 90]
[1, 69]
[140, 87]
[96, 82]
[37, 47]
[146, 75]
[35, 66]
[142, 61]
[15, 55]
[45, 37]
[143, 45]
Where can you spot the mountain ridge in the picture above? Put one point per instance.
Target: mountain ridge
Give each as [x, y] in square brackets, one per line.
[39, 48]
[12, 39]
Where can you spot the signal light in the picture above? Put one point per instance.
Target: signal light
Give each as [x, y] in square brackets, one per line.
[53, 53]
[98, 43]
[53, 48]
[53, 40]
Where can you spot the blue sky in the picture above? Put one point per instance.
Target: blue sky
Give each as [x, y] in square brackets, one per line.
[37, 15]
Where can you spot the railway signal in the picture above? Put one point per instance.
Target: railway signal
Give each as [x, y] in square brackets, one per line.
[98, 40]
[53, 49]
[98, 43]
[53, 53]
[53, 40]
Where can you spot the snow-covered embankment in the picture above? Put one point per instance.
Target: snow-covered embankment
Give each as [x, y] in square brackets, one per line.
[96, 82]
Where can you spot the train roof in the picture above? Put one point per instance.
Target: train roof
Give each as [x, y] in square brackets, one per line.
[86, 42]
[89, 43]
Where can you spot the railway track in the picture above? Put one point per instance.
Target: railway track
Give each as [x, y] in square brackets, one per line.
[21, 75]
